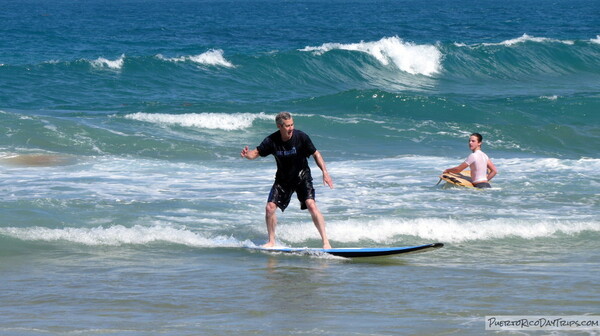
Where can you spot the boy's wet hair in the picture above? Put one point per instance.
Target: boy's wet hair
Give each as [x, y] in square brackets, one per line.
[479, 137]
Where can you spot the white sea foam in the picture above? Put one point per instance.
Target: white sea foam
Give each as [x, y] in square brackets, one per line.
[374, 201]
[553, 97]
[119, 235]
[407, 56]
[580, 166]
[212, 57]
[526, 38]
[384, 231]
[223, 121]
[102, 62]
[388, 231]
[586, 166]
[596, 40]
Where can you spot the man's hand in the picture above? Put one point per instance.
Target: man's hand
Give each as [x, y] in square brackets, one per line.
[244, 152]
[327, 179]
[249, 154]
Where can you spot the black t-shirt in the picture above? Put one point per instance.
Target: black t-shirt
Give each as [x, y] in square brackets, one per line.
[291, 156]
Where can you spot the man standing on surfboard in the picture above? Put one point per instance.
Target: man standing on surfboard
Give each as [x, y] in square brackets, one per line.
[291, 149]
[482, 168]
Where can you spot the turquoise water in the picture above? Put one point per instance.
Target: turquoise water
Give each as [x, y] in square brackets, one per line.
[125, 208]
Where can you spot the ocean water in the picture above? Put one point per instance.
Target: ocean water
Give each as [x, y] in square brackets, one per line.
[125, 208]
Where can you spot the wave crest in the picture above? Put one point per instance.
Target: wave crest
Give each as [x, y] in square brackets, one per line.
[389, 231]
[102, 62]
[223, 121]
[408, 57]
[526, 38]
[118, 235]
[212, 57]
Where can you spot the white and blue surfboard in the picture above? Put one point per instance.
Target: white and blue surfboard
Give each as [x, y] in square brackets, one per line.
[353, 252]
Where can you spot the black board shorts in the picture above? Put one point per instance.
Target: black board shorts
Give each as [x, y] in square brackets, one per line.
[282, 194]
[482, 185]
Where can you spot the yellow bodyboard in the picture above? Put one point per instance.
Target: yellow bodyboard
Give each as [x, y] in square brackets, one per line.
[462, 179]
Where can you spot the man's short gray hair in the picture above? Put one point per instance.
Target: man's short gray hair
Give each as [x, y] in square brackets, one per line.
[281, 117]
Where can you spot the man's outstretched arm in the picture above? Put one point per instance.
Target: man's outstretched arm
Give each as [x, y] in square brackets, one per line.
[321, 163]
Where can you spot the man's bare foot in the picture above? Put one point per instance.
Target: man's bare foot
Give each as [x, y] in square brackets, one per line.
[326, 246]
[269, 244]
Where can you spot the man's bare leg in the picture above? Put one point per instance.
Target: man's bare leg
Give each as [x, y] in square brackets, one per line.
[271, 220]
[319, 221]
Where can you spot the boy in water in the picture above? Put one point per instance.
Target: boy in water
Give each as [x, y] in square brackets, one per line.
[482, 168]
